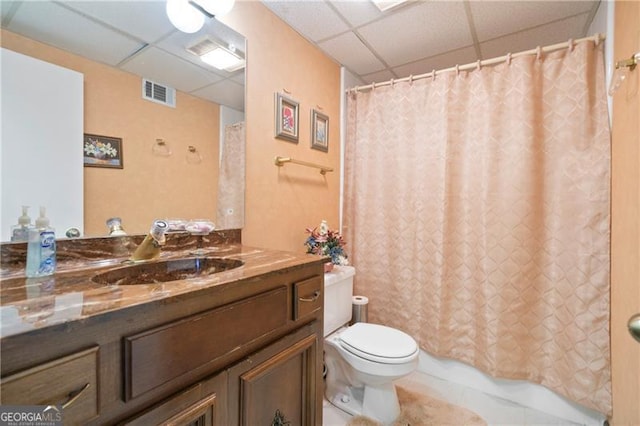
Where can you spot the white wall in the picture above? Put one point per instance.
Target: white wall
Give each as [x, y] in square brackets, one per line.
[41, 143]
[603, 23]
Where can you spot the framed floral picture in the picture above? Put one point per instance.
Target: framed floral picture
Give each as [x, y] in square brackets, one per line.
[319, 131]
[102, 151]
[286, 118]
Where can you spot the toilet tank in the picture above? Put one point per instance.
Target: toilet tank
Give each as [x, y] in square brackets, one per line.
[338, 293]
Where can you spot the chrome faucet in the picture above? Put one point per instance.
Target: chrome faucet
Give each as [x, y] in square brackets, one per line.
[150, 246]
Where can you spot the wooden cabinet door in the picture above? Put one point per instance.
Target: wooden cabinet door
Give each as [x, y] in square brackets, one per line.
[202, 404]
[278, 389]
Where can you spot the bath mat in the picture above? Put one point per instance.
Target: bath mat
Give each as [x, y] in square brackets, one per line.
[422, 410]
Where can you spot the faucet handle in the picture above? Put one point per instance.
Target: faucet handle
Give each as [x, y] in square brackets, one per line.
[158, 228]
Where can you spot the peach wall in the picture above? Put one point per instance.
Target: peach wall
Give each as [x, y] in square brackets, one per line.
[625, 222]
[148, 187]
[282, 202]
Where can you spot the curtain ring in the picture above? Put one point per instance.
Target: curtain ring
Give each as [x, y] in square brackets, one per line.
[478, 65]
[597, 39]
[373, 86]
[391, 82]
[539, 53]
[410, 78]
[508, 58]
[571, 45]
[433, 75]
[457, 70]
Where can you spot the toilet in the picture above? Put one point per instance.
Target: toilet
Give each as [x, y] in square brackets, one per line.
[362, 360]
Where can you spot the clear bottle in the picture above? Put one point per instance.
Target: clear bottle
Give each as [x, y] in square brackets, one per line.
[41, 248]
[20, 232]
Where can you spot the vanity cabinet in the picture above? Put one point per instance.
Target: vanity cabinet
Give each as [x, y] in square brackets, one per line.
[278, 384]
[244, 353]
[69, 382]
[202, 404]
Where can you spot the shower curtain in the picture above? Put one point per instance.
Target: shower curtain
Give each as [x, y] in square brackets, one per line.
[477, 216]
[230, 203]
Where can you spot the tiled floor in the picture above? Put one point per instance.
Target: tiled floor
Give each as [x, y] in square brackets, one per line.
[495, 411]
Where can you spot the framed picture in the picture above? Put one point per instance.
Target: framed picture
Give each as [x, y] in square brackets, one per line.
[286, 118]
[102, 151]
[319, 131]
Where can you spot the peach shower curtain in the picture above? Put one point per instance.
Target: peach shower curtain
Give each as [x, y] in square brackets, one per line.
[477, 216]
[230, 210]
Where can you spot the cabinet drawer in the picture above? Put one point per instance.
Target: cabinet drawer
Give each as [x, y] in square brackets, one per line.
[307, 297]
[157, 356]
[71, 381]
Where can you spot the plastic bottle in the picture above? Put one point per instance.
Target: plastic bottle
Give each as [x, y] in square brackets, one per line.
[41, 248]
[20, 232]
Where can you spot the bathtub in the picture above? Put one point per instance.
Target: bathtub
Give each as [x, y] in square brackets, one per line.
[521, 392]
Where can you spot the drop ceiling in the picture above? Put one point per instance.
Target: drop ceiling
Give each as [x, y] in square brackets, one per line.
[134, 36]
[420, 36]
[413, 38]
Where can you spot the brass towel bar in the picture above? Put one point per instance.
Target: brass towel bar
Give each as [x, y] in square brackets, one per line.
[280, 161]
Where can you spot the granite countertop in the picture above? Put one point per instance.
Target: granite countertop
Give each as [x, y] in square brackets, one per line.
[70, 294]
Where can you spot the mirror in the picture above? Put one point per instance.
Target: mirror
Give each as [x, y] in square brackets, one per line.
[116, 45]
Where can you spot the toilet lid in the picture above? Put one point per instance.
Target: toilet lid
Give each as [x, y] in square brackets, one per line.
[379, 343]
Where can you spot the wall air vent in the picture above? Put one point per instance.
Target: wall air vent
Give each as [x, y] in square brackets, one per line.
[158, 93]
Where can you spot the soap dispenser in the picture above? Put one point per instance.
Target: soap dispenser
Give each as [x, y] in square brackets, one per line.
[41, 248]
[20, 232]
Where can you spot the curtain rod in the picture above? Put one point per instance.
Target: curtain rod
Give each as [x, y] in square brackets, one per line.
[597, 38]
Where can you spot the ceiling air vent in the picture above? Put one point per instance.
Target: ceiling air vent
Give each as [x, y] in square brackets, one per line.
[158, 93]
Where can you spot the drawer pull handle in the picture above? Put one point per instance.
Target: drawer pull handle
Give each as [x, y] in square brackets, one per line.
[313, 298]
[74, 395]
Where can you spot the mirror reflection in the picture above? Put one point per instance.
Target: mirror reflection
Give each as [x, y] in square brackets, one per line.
[180, 121]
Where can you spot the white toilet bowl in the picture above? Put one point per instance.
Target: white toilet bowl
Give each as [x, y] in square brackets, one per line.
[362, 362]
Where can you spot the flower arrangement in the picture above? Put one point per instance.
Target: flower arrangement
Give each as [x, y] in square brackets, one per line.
[99, 149]
[325, 242]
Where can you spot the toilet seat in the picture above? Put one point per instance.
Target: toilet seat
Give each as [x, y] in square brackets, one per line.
[378, 343]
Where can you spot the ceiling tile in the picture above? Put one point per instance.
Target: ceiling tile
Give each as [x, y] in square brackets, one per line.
[426, 28]
[162, 67]
[313, 19]
[357, 12]
[225, 92]
[348, 50]
[544, 35]
[497, 18]
[378, 77]
[439, 62]
[60, 27]
[7, 7]
[146, 20]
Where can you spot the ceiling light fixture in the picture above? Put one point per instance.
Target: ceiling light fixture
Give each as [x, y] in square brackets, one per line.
[184, 16]
[188, 15]
[223, 59]
[217, 7]
[218, 54]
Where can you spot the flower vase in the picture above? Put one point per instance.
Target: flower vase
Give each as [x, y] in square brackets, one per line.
[328, 267]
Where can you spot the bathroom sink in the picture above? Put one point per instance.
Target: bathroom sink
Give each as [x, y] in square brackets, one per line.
[166, 271]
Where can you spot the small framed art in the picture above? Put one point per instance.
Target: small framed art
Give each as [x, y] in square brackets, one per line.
[319, 131]
[286, 118]
[102, 151]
